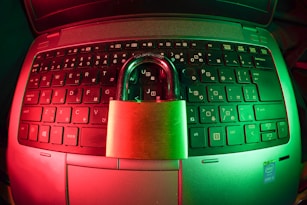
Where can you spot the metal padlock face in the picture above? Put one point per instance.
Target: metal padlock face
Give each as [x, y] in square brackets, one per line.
[147, 129]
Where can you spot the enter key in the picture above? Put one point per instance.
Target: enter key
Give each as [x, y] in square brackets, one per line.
[268, 85]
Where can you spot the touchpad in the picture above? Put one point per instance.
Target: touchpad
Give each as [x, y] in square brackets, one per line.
[106, 186]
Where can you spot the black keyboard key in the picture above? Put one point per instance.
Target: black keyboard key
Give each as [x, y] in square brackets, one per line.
[231, 59]
[209, 75]
[44, 133]
[196, 93]
[189, 75]
[226, 75]
[263, 61]
[252, 133]
[282, 129]
[33, 132]
[56, 64]
[214, 46]
[92, 95]
[234, 93]
[268, 85]
[250, 93]
[63, 115]
[150, 92]
[108, 93]
[228, 113]
[34, 81]
[49, 114]
[31, 97]
[58, 79]
[71, 136]
[33, 114]
[59, 96]
[74, 95]
[23, 131]
[227, 47]
[235, 135]
[196, 57]
[84, 61]
[246, 113]
[270, 111]
[198, 137]
[216, 93]
[69, 62]
[108, 76]
[208, 114]
[46, 80]
[217, 136]
[90, 77]
[93, 137]
[80, 115]
[268, 136]
[73, 78]
[45, 97]
[268, 126]
[99, 115]
[56, 135]
[215, 58]
[246, 60]
[243, 76]
[192, 115]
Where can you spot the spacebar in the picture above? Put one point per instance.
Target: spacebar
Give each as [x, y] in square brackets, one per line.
[270, 111]
[93, 137]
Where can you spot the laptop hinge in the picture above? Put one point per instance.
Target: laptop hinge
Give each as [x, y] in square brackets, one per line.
[250, 29]
[52, 35]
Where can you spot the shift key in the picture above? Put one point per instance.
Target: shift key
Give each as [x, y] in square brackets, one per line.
[31, 114]
[270, 111]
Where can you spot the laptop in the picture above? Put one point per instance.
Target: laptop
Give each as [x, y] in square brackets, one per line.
[239, 136]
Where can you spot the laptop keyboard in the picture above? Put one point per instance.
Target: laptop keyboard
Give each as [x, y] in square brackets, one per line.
[233, 95]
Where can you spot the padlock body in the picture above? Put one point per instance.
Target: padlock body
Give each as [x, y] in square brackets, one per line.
[147, 130]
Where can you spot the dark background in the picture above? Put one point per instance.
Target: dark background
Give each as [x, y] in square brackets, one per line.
[289, 28]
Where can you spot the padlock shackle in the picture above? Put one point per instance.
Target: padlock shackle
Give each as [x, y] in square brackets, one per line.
[172, 79]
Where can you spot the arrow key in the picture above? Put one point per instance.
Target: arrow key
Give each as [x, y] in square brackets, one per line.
[252, 133]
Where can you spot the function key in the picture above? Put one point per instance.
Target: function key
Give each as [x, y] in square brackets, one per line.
[50, 54]
[213, 46]
[227, 47]
[252, 49]
[182, 44]
[198, 45]
[264, 51]
[60, 52]
[115, 46]
[99, 47]
[147, 44]
[241, 48]
[131, 45]
[85, 49]
[72, 51]
[165, 44]
[40, 56]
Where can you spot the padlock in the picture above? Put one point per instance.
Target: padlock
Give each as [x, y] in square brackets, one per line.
[147, 129]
